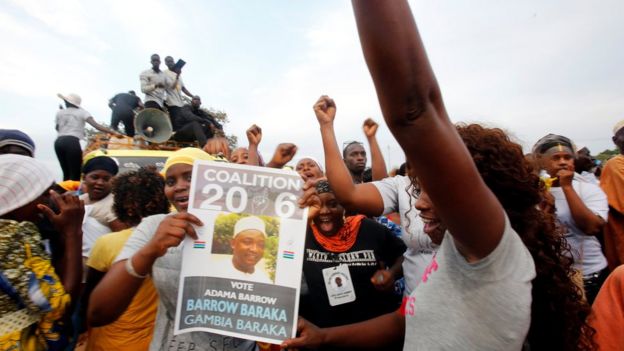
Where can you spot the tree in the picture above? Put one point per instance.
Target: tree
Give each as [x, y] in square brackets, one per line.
[220, 116]
[607, 154]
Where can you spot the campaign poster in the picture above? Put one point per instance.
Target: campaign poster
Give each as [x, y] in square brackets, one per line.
[242, 276]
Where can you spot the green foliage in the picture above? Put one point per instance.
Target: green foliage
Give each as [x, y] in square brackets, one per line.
[270, 255]
[224, 229]
[607, 154]
[222, 118]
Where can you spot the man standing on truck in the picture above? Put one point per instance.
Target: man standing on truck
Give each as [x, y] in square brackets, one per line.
[153, 83]
[123, 105]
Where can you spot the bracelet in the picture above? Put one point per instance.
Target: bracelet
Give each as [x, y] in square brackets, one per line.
[131, 271]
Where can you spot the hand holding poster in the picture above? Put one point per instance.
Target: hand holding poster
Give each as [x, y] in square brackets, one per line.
[242, 276]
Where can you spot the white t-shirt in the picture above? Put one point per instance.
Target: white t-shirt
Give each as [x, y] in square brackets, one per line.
[96, 221]
[586, 249]
[420, 249]
[174, 95]
[166, 278]
[71, 121]
[92, 229]
[485, 305]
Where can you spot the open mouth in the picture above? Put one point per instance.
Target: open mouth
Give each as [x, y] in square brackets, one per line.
[181, 201]
[430, 224]
[325, 224]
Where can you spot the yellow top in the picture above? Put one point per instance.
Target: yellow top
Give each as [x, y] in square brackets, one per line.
[133, 329]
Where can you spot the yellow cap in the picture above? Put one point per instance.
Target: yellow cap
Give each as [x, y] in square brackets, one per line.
[186, 156]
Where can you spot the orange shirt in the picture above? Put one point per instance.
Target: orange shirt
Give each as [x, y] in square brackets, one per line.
[608, 312]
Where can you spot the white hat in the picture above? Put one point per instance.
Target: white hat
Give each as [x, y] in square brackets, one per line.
[618, 126]
[318, 164]
[249, 223]
[72, 98]
[24, 179]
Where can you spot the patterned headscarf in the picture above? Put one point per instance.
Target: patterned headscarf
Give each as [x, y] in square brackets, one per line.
[24, 179]
[323, 187]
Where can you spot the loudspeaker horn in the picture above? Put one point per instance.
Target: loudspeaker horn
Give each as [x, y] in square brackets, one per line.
[153, 125]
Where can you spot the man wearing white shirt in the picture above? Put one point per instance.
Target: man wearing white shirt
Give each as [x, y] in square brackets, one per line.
[247, 245]
[153, 83]
[174, 91]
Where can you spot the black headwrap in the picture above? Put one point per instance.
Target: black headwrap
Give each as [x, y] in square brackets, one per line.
[101, 163]
[323, 187]
[550, 141]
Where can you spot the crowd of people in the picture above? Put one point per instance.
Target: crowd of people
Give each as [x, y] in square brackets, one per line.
[470, 245]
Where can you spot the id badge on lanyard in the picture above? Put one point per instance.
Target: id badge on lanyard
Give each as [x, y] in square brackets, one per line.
[338, 285]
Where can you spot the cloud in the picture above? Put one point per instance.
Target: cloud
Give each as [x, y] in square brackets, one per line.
[531, 67]
[331, 63]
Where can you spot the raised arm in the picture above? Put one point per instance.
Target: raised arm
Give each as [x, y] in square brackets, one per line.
[412, 106]
[102, 128]
[254, 136]
[284, 152]
[185, 91]
[363, 198]
[378, 164]
[69, 224]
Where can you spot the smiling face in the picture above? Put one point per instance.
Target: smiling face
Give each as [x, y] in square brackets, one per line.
[308, 169]
[330, 217]
[178, 185]
[247, 250]
[434, 227]
[99, 184]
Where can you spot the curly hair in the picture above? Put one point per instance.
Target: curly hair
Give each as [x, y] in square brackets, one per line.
[139, 194]
[558, 312]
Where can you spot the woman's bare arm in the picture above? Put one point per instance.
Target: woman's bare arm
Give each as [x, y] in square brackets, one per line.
[411, 103]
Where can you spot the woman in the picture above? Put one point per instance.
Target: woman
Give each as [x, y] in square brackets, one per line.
[581, 207]
[34, 298]
[344, 266]
[378, 198]
[70, 125]
[138, 194]
[309, 169]
[153, 250]
[99, 173]
[490, 285]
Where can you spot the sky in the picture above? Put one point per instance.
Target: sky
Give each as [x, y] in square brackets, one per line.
[530, 67]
